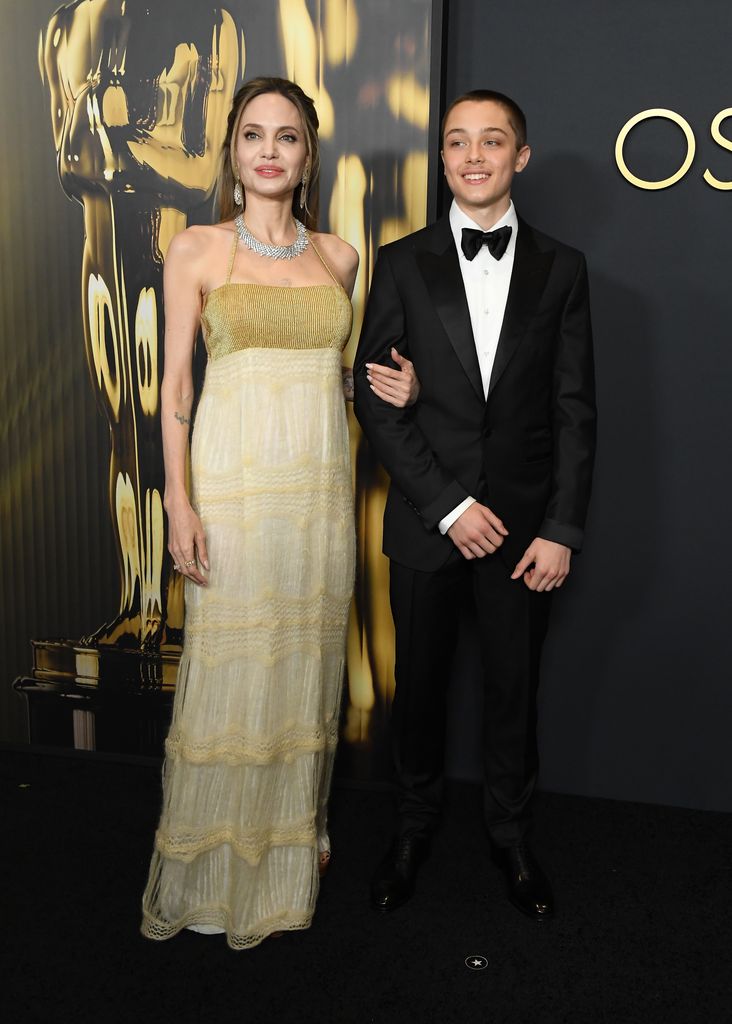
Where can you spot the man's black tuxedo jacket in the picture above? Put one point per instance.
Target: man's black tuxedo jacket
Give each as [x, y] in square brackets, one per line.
[527, 451]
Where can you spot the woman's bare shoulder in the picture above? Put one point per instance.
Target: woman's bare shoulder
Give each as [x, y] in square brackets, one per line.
[200, 241]
[342, 256]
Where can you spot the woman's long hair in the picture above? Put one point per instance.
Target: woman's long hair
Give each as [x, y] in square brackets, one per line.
[227, 170]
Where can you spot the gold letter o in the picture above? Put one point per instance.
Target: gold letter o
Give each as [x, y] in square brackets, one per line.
[644, 116]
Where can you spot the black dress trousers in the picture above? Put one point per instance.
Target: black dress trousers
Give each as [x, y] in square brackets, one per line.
[512, 623]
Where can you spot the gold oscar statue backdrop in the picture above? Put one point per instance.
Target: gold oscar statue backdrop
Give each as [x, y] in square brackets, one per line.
[120, 106]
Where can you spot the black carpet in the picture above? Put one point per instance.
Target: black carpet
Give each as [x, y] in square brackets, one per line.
[643, 932]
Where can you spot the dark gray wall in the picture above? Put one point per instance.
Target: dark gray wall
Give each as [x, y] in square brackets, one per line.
[636, 697]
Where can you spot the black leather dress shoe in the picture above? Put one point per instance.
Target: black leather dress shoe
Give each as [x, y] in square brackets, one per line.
[393, 882]
[528, 887]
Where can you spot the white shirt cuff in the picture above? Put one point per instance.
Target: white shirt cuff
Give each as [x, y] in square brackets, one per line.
[444, 524]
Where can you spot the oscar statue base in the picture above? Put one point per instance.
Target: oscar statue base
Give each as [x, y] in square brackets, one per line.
[114, 700]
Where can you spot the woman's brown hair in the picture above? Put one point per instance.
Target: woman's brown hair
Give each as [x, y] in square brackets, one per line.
[306, 108]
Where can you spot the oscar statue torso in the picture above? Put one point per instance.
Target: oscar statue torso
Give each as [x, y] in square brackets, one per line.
[138, 108]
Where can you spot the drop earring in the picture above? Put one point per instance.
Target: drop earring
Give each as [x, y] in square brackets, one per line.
[238, 197]
[304, 189]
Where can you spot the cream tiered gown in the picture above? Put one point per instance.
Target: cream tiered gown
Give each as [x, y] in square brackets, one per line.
[250, 751]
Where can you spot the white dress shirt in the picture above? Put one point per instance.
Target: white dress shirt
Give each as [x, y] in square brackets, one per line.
[486, 282]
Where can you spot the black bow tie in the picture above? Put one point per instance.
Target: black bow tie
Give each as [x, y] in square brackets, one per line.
[497, 241]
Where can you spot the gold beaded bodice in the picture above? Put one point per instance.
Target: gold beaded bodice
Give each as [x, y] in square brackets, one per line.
[243, 315]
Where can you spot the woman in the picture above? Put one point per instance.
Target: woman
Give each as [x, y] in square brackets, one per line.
[266, 542]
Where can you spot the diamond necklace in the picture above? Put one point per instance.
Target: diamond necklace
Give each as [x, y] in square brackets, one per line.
[273, 252]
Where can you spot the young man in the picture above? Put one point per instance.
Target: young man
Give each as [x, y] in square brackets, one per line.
[490, 472]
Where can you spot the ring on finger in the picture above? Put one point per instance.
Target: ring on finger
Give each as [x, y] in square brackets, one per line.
[189, 563]
[176, 567]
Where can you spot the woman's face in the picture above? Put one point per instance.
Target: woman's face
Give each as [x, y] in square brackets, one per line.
[270, 146]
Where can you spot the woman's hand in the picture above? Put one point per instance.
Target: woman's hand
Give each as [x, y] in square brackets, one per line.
[187, 541]
[397, 387]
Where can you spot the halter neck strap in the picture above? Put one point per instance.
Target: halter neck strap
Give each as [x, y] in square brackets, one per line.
[317, 253]
[232, 257]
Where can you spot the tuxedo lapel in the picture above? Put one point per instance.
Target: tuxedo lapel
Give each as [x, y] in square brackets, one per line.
[531, 269]
[437, 260]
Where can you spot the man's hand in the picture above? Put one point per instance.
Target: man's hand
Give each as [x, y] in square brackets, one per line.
[477, 532]
[550, 565]
[397, 387]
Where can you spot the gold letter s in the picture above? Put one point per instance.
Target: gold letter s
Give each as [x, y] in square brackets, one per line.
[725, 186]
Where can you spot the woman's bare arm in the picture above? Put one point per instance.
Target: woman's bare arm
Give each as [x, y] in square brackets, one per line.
[182, 288]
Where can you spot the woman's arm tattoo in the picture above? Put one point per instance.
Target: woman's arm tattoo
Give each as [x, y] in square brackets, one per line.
[181, 418]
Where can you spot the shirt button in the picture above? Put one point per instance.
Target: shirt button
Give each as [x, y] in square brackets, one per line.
[486, 311]
[486, 272]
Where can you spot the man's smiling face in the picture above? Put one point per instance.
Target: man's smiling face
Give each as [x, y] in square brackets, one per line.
[480, 157]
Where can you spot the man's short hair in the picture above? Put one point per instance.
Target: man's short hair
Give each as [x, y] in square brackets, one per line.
[516, 116]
